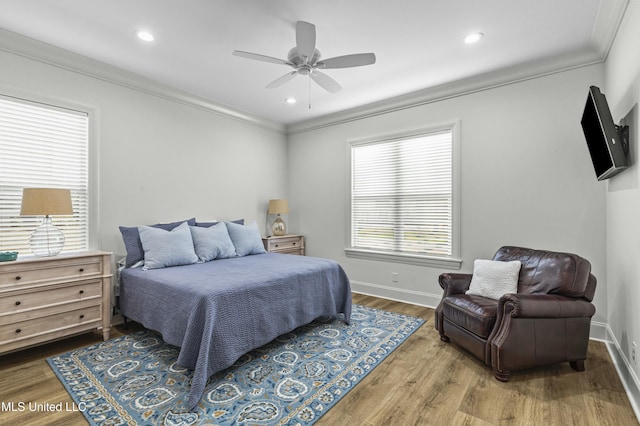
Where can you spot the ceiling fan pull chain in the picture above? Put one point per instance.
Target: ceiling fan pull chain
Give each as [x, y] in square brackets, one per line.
[309, 91]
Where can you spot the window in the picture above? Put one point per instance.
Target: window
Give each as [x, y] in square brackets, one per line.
[42, 146]
[403, 198]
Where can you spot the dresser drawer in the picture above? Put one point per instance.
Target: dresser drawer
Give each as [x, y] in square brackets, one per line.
[25, 300]
[296, 251]
[29, 328]
[284, 244]
[46, 271]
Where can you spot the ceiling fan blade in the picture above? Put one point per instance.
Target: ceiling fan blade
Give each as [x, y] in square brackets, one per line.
[262, 58]
[348, 61]
[306, 39]
[325, 81]
[281, 80]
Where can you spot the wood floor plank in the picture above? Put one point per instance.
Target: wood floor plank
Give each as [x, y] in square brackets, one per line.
[423, 382]
[446, 386]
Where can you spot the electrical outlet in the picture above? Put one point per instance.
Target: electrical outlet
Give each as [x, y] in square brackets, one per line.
[394, 277]
[634, 356]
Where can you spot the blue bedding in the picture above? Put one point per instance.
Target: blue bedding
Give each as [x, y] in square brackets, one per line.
[219, 310]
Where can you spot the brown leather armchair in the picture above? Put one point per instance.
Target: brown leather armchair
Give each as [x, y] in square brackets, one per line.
[546, 322]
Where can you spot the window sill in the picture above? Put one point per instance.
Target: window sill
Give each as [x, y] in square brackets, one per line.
[412, 259]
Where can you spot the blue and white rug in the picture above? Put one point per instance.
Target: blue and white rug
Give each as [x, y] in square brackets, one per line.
[293, 380]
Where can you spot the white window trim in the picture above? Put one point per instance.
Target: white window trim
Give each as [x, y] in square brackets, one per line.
[454, 261]
[94, 237]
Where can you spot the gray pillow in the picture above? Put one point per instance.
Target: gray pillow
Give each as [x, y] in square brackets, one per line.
[167, 248]
[212, 242]
[132, 244]
[246, 239]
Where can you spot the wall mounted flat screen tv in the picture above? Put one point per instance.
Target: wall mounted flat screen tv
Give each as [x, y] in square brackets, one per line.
[605, 140]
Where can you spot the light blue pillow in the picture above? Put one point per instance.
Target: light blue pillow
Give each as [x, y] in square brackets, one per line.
[131, 238]
[246, 239]
[212, 242]
[167, 248]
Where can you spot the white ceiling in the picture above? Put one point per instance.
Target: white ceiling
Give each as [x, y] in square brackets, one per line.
[418, 43]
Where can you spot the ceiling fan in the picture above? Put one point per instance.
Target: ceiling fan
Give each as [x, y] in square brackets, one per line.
[304, 58]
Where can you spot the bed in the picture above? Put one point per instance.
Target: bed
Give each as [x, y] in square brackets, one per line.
[217, 311]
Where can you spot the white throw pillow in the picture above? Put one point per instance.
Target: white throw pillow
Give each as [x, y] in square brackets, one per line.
[492, 278]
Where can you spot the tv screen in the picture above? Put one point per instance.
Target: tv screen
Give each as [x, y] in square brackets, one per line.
[605, 144]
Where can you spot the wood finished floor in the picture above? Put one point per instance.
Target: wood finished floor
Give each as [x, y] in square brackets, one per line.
[423, 382]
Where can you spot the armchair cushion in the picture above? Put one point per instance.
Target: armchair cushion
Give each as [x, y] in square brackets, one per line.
[493, 278]
[473, 313]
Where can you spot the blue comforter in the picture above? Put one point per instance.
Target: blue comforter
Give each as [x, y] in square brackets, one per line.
[217, 311]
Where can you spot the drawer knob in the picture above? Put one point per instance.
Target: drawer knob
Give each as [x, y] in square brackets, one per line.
[81, 292]
[18, 303]
[81, 269]
[81, 316]
[18, 331]
[294, 244]
[18, 278]
[277, 246]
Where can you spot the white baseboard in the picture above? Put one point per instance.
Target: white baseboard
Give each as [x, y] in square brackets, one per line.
[399, 295]
[627, 376]
[599, 331]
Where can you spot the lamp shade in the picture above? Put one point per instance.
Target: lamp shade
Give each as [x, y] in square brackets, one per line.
[278, 206]
[46, 202]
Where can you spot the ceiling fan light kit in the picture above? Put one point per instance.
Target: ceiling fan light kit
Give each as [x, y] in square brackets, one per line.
[304, 58]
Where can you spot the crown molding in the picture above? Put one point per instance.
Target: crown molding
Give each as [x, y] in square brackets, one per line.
[609, 17]
[454, 89]
[42, 52]
[606, 26]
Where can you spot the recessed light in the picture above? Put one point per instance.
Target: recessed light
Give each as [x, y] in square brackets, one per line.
[473, 38]
[144, 35]
[290, 101]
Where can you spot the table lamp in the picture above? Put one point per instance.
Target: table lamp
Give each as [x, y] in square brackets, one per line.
[46, 240]
[278, 207]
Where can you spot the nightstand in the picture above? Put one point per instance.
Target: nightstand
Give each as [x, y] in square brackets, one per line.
[47, 298]
[288, 244]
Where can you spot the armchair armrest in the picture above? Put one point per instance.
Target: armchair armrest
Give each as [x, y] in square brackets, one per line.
[539, 329]
[544, 306]
[453, 283]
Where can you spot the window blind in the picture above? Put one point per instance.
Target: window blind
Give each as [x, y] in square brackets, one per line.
[401, 195]
[42, 146]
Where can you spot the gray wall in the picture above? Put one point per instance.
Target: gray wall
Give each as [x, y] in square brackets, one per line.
[526, 179]
[158, 158]
[622, 89]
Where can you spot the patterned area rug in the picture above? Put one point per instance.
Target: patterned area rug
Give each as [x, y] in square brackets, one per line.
[293, 380]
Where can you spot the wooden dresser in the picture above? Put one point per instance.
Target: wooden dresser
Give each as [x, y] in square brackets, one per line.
[47, 298]
[288, 244]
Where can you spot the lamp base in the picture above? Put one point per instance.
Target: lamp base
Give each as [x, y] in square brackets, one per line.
[46, 240]
[279, 228]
